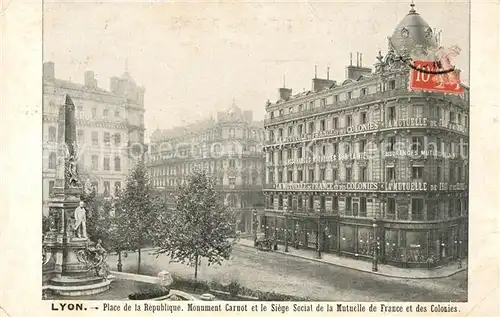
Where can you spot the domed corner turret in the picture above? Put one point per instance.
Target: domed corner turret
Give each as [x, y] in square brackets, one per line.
[413, 36]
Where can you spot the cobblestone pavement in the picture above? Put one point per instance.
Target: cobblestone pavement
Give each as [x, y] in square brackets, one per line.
[270, 271]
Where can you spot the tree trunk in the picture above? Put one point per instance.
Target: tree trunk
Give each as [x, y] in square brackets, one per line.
[139, 261]
[196, 268]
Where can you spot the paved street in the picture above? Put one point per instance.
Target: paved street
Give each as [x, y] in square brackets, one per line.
[268, 271]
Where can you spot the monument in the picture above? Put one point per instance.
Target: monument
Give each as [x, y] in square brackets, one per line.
[72, 264]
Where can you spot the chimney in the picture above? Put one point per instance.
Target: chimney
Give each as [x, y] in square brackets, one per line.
[350, 59]
[114, 84]
[285, 93]
[354, 72]
[90, 80]
[49, 70]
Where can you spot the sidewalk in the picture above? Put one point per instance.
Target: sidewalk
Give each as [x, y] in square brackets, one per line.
[366, 266]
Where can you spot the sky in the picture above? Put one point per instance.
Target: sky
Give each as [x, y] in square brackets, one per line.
[195, 58]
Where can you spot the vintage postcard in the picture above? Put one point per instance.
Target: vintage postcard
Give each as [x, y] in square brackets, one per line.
[251, 157]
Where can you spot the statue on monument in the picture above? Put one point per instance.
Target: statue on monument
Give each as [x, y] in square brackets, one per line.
[80, 221]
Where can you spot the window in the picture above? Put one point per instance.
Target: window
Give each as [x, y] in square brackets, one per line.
[299, 129]
[95, 162]
[335, 175]
[105, 113]
[362, 145]
[117, 113]
[106, 164]
[311, 127]
[311, 105]
[363, 117]
[322, 125]
[349, 95]
[390, 174]
[289, 154]
[81, 136]
[336, 98]
[311, 176]
[335, 123]
[431, 210]
[418, 111]
[364, 91]
[417, 144]
[459, 174]
[290, 110]
[439, 175]
[117, 138]
[323, 102]
[280, 176]
[322, 174]
[362, 207]
[95, 186]
[281, 112]
[391, 208]
[51, 186]
[390, 143]
[52, 134]
[117, 164]
[300, 176]
[107, 138]
[271, 177]
[106, 188]
[348, 206]
[232, 134]
[347, 148]
[52, 160]
[335, 203]
[79, 110]
[311, 202]
[300, 203]
[348, 174]
[118, 186]
[417, 172]
[95, 138]
[301, 107]
[391, 113]
[290, 177]
[290, 131]
[349, 120]
[271, 135]
[232, 181]
[232, 163]
[335, 148]
[299, 152]
[417, 209]
[392, 84]
[94, 113]
[452, 117]
[363, 174]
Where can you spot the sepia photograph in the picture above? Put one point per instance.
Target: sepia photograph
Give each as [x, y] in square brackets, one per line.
[280, 152]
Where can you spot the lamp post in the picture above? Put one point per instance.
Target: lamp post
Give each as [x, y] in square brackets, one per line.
[254, 227]
[119, 265]
[375, 248]
[286, 229]
[318, 239]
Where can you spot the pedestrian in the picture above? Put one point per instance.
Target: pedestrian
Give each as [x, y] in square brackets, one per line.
[459, 263]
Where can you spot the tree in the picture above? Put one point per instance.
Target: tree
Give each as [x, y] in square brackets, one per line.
[136, 213]
[199, 227]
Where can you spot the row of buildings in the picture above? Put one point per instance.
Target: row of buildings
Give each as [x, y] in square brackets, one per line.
[362, 167]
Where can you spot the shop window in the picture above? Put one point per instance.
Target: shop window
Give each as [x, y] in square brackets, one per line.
[347, 239]
[391, 208]
[416, 247]
[366, 241]
[391, 245]
[417, 209]
[362, 207]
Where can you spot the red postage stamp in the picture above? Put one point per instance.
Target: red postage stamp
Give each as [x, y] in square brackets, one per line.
[438, 75]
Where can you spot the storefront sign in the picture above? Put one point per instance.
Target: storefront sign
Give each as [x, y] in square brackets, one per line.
[363, 127]
[328, 186]
[403, 123]
[412, 186]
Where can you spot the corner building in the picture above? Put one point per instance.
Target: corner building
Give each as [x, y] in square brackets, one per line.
[229, 148]
[110, 129]
[367, 168]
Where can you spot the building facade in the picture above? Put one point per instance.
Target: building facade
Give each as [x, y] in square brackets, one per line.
[367, 168]
[229, 148]
[110, 129]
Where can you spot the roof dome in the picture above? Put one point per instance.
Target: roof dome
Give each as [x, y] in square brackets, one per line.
[413, 35]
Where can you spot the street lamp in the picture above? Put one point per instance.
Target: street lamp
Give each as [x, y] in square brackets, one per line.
[318, 239]
[286, 229]
[375, 248]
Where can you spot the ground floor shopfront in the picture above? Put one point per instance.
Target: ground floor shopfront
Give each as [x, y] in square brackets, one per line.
[406, 244]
